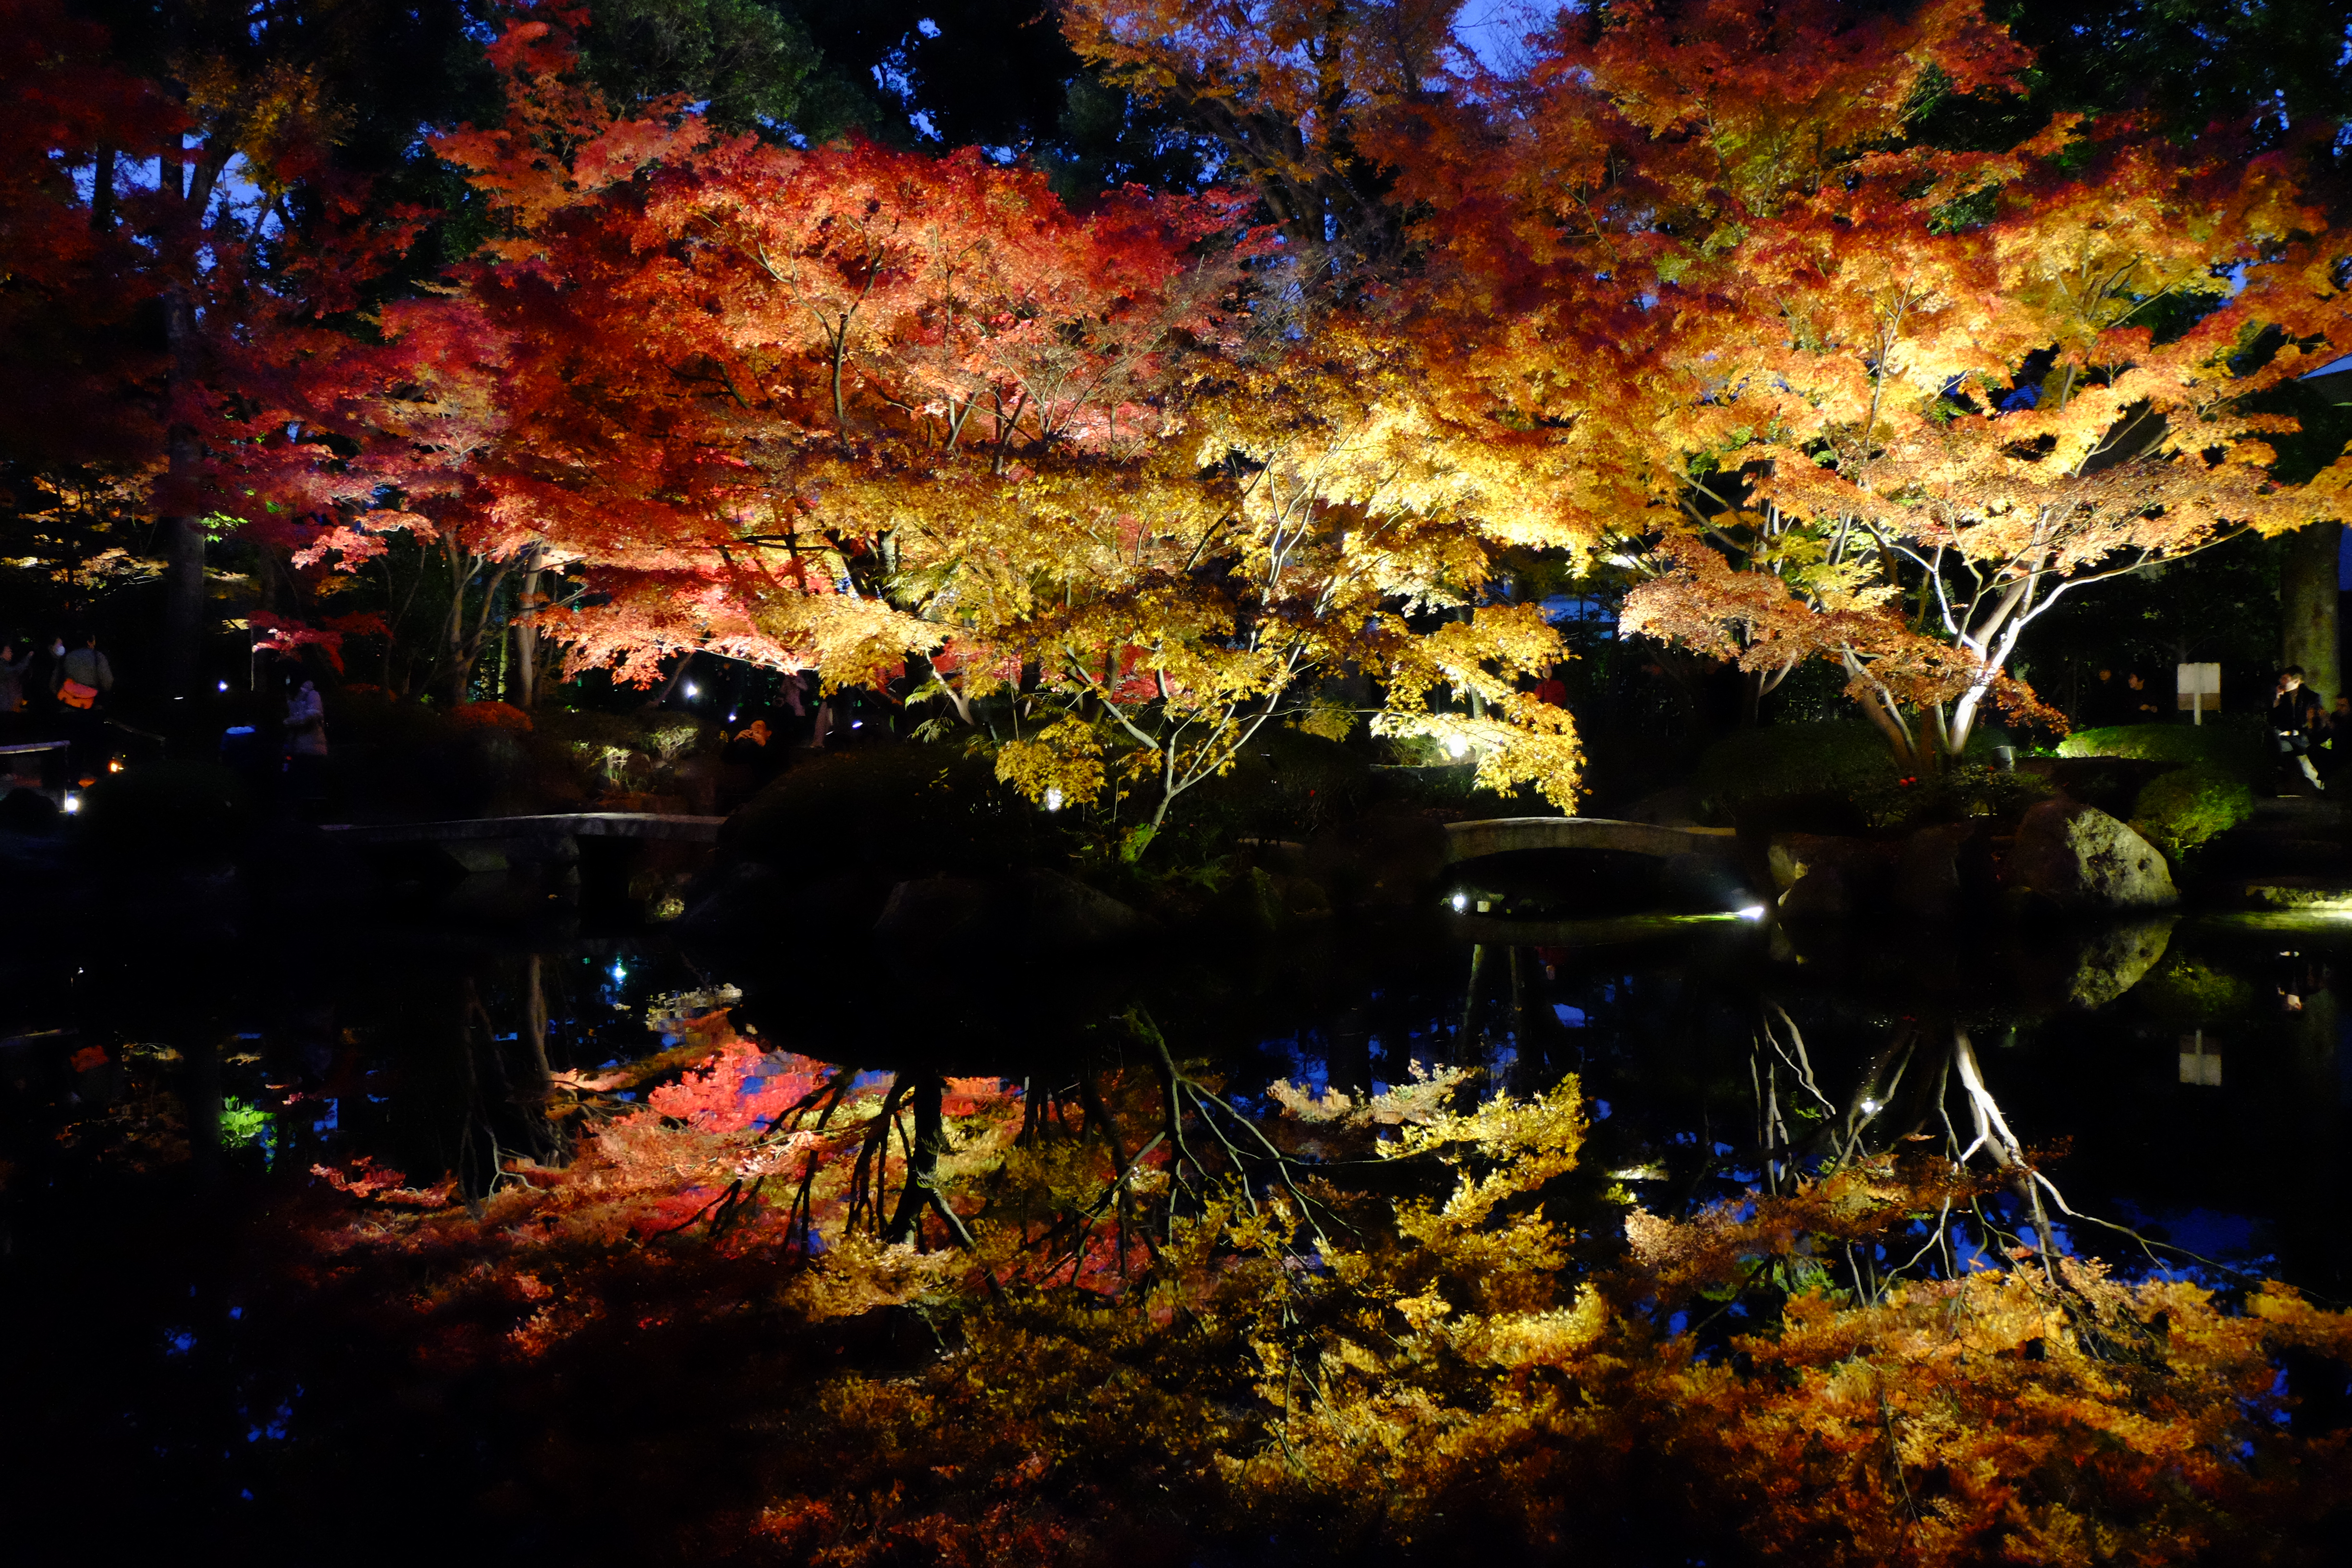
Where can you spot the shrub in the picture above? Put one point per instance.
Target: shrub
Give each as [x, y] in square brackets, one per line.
[2236, 745]
[489, 716]
[1968, 790]
[902, 810]
[166, 814]
[2183, 808]
[1286, 784]
[1784, 768]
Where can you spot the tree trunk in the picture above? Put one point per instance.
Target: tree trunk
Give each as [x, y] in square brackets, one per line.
[526, 637]
[2308, 578]
[184, 532]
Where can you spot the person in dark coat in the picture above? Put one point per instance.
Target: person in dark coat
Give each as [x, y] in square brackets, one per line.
[42, 675]
[2297, 714]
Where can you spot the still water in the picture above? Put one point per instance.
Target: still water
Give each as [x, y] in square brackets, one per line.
[2184, 1086]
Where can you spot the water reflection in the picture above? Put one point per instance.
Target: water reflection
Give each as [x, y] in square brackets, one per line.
[2168, 1097]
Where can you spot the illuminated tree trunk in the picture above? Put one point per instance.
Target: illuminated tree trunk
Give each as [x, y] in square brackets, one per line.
[2307, 588]
[526, 638]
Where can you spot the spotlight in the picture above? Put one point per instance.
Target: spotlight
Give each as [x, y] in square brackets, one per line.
[1869, 1108]
[1460, 902]
[224, 686]
[692, 690]
[1751, 913]
[73, 802]
[1053, 800]
[1456, 747]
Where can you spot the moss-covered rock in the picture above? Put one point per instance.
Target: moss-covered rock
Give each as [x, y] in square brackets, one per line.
[2182, 809]
[2076, 859]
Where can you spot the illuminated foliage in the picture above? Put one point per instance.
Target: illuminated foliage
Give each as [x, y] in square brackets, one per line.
[1855, 397]
[881, 413]
[1366, 1326]
[1829, 390]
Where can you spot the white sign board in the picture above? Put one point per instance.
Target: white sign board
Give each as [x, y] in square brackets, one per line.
[2200, 685]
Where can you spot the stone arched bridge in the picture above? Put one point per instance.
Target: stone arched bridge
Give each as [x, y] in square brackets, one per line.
[1511, 835]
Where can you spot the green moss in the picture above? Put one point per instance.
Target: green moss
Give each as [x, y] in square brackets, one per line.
[2233, 746]
[2182, 809]
[2189, 994]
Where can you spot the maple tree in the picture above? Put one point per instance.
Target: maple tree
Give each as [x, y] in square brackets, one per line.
[1827, 388]
[850, 407]
[1866, 399]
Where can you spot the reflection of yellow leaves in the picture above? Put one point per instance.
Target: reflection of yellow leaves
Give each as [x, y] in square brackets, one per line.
[859, 1274]
[1420, 1099]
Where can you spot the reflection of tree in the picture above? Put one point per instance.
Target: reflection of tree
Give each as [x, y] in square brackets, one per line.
[1905, 1092]
[508, 1121]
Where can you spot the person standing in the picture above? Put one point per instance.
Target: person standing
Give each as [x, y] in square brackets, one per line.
[41, 676]
[83, 680]
[84, 676]
[306, 742]
[13, 670]
[2296, 713]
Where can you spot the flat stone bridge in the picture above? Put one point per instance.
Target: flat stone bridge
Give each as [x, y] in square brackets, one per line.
[507, 867]
[1512, 835]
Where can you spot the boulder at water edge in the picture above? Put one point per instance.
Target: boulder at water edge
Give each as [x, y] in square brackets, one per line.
[2076, 858]
[1824, 876]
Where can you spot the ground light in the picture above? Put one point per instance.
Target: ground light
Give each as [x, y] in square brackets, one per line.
[691, 690]
[1053, 800]
[73, 802]
[224, 686]
[1749, 911]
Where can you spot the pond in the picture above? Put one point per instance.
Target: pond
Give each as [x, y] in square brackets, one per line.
[2184, 1085]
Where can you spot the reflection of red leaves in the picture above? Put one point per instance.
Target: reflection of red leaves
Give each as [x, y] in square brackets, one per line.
[972, 1096]
[87, 1057]
[740, 1088]
[383, 1184]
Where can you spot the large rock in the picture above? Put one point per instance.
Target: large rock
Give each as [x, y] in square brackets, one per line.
[2114, 959]
[1824, 876]
[2078, 859]
[1931, 876]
